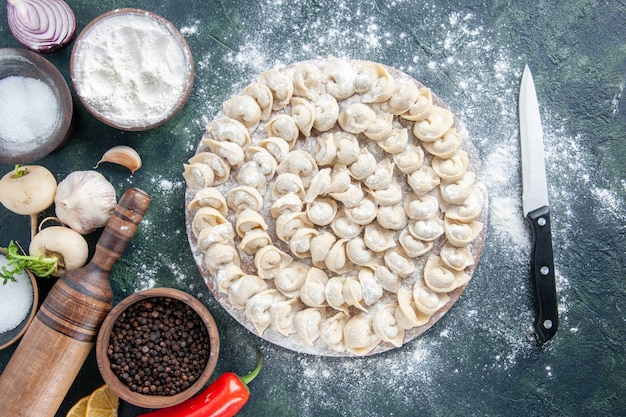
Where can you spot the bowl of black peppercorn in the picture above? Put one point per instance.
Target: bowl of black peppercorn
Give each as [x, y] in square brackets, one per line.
[157, 348]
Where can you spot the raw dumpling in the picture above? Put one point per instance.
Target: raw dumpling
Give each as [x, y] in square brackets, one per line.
[300, 163]
[206, 217]
[279, 84]
[267, 164]
[391, 217]
[221, 170]
[198, 176]
[277, 146]
[312, 292]
[356, 118]
[378, 238]
[307, 323]
[220, 256]
[251, 175]
[437, 122]
[320, 245]
[243, 198]
[289, 280]
[263, 97]
[248, 220]
[283, 126]
[461, 234]
[407, 316]
[227, 275]
[270, 260]
[211, 235]
[389, 196]
[358, 335]
[244, 109]
[405, 94]
[457, 258]
[455, 192]
[258, 308]
[397, 261]
[243, 289]
[231, 152]
[287, 183]
[307, 81]
[322, 211]
[319, 185]
[326, 112]
[423, 180]
[337, 258]
[348, 148]
[344, 227]
[254, 240]
[289, 203]
[386, 326]
[303, 113]
[350, 197]
[209, 197]
[453, 168]
[382, 176]
[420, 207]
[470, 209]
[282, 315]
[364, 212]
[421, 107]
[413, 246]
[339, 78]
[381, 127]
[439, 278]
[226, 129]
[360, 254]
[326, 150]
[331, 331]
[287, 224]
[300, 242]
[381, 87]
[427, 230]
[396, 142]
[390, 281]
[410, 159]
[364, 165]
[372, 290]
[427, 301]
[445, 146]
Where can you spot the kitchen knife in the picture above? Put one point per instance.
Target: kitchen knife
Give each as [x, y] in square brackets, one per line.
[537, 210]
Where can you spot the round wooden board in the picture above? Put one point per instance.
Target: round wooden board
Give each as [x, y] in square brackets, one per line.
[319, 347]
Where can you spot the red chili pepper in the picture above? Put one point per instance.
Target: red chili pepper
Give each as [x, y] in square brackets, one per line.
[223, 398]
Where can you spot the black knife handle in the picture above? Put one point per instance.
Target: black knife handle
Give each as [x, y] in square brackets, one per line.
[542, 274]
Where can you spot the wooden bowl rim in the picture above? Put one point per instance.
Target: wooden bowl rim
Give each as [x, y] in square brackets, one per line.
[33, 310]
[156, 401]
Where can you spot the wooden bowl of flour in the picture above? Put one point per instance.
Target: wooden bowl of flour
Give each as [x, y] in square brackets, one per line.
[132, 69]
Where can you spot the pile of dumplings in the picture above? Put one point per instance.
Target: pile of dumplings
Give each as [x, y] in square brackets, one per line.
[331, 202]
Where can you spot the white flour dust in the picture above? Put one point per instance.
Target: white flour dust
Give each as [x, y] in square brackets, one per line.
[479, 80]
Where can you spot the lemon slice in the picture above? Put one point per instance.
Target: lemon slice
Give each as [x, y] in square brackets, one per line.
[79, 409]
[102, 403]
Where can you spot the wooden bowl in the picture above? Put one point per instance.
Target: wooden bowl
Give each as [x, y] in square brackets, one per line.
[152, 400]
[11, 336]
[22, 149]
[110, 95]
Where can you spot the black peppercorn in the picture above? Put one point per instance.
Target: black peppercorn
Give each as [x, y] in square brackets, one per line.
[158, 346]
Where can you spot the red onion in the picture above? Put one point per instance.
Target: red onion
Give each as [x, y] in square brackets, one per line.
[41, 25]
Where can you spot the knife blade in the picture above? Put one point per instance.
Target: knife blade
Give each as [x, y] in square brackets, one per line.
[536, 208]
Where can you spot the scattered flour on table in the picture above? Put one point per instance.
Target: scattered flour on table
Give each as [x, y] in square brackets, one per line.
[479, 81]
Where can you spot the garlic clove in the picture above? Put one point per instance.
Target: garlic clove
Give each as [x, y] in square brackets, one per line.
[122, 155]
[84, 201]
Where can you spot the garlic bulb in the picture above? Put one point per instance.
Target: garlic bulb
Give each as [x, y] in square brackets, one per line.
[84, 201]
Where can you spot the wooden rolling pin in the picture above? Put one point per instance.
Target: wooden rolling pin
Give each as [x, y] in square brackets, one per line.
[55, 346]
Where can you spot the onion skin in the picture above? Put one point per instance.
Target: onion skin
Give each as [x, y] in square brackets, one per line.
[43, 26]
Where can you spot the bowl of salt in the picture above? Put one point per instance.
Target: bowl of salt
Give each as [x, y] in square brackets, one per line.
[19, 300]
[36, 107]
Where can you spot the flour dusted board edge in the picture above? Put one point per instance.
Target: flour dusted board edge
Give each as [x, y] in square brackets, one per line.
[309, 144]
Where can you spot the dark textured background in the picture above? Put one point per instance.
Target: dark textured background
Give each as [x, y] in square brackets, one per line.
[480, 359]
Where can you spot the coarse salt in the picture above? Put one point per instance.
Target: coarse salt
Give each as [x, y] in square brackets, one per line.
[16, 299]
[29, 110]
